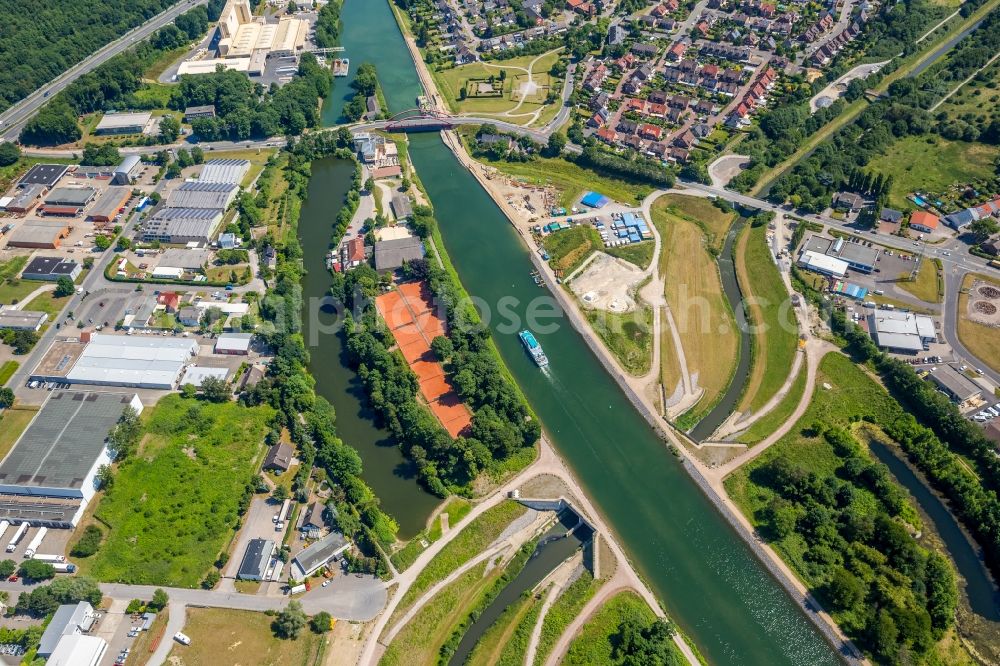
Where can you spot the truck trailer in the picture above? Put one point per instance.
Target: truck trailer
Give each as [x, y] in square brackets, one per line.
[35, 542]
[64, 567]
[43, 557]
[4, 524]
[16, 539]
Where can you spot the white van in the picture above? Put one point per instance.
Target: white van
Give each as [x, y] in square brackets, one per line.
[182, 638]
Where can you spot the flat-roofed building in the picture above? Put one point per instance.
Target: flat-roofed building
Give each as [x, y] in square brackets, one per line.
[255, 560]
[123, 123]
[25, 199]
[195, 112]
[224, 171]
[22, 320]
[182, 225]
[822, 264]
[42, 234]
[49, 475]
[51, 269]
[78, 650]
[196, 374]
[111, 203]
[197, 194]
[70, 196]
[233, 344]
[318, 554]
[959, 388]
[139, 361]
[209, 65]
[46, 175]
[392, 254]
[901, 332]
[858, 255]
[189, 261]
[127, 172]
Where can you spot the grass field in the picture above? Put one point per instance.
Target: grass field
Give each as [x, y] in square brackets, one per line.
[158, 94]
[570, 247]
[223, 636]
[175, 503]
[572, 180]
[506, 640]
[640, 254]
[12, 290]
[166, 59]
[853, 395]
[927, 286]
[629, 336]
[714, 221]
[7, 370]
[932, 164]
[978, 97]
[47, 302]
[777, 416]
[595, 643]
[694, 292]
[982, 341]
[420, 640]
[670, 366]
[13, 422]
[456, 509]
[477, 535]
[775, 337]
[452, 81]
[562, 612]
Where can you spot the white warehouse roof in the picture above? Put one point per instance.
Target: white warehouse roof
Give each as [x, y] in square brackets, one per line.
[196, 374]
[823, 263]
[135, 360]
[900, 330]
[233, 342]
[224, 171]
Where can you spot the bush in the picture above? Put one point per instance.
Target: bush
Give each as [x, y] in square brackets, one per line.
[89, 542]
[320, 622]
[37, 570]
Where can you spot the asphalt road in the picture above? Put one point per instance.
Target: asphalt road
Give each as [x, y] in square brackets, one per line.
[14, 118]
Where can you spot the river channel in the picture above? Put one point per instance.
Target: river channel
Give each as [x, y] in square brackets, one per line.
[711, 583]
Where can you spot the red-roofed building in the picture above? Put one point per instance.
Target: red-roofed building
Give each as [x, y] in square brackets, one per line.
[658, 110]
[636, 105]
[651, 132]
[607, 135]
[677, 51]
[170, 299]
[354, 254]
[921, 220]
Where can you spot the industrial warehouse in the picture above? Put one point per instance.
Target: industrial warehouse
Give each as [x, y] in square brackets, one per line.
[135, 361]
[48, 477]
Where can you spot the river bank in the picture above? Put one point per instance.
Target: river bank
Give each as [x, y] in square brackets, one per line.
[695, 468]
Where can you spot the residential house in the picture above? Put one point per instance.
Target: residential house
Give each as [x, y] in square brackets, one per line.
[279, 458]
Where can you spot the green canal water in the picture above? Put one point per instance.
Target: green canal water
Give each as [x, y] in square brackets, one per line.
[711, 583]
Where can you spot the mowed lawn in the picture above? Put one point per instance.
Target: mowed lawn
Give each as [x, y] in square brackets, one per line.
[452, 81]
[224, 636]
[926, 286]
[175, 504]
[982, 341]
[572, 180]
[693, 289]
[13, 422]
[775, 418]
[775, 336]
[932, 164]
[714, 221]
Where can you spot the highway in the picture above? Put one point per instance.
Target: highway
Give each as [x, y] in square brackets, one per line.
[14, 118]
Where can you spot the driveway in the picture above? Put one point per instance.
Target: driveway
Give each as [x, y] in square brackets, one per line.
[257, 524]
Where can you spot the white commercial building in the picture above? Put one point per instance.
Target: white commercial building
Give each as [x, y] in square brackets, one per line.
[901, 331]
[823, 264]
[224, 171]
[139, 361]
[77, 650]
[196, 374]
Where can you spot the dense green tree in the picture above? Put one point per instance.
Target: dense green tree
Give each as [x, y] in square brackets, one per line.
[6, 397]
[290, 621]
[320, 622]
[36, 570]
[9, 153]
[64, 287]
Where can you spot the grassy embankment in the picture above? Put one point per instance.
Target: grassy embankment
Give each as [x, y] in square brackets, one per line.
[572, 181]
[476, 536]
[597, 639]
[776, 331]
[242, 637]
[640, 254]
[928, 285]
[175, 503]
[932, 164]
[982, 341]
[692, 232]
[506, 641]
[777, 416]
[562, 612]
[628, 336]
[569, 248]
[456, 509]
